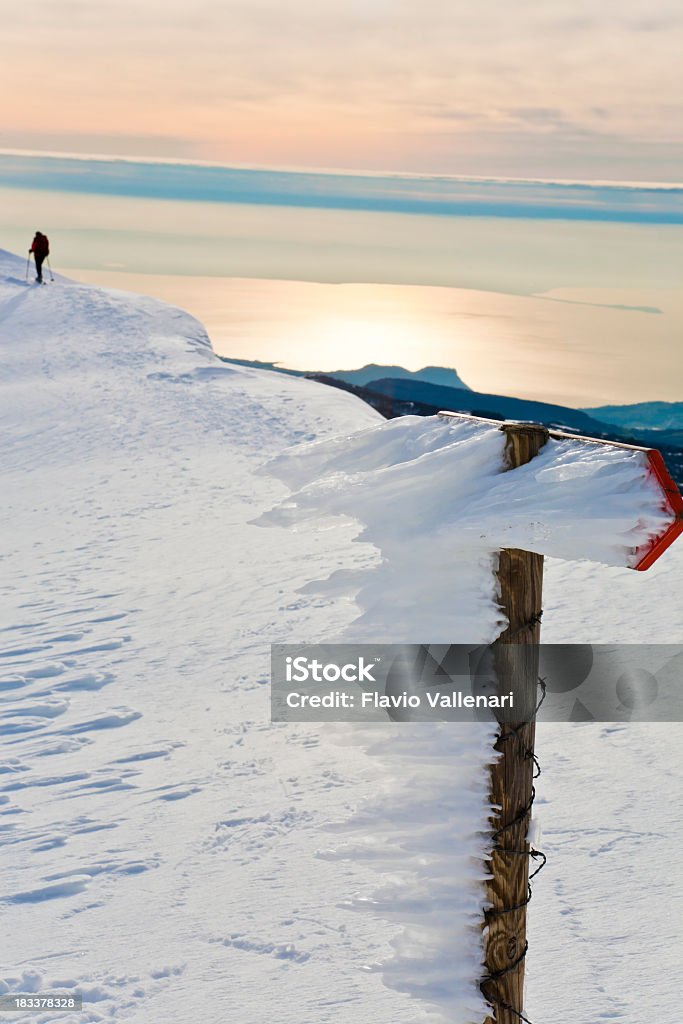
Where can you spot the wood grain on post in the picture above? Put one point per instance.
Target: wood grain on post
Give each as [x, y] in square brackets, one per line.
[520, 576]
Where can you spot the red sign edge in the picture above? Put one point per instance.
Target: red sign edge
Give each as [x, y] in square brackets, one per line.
[650, 552]
[647, 554]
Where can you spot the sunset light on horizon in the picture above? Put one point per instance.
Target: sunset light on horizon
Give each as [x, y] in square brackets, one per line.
[386, 85]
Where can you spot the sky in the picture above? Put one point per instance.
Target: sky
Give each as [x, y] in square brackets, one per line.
[539, 89]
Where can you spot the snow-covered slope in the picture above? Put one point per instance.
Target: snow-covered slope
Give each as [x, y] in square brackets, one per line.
[168, 851]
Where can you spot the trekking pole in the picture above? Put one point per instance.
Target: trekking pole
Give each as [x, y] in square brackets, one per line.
[49, 268]
[28, 264]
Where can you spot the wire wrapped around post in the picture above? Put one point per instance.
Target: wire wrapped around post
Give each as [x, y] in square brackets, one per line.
[516, 654]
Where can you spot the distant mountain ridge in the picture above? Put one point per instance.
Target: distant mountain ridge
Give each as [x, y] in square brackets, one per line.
[442, 375]
[439, 375]
[483, 404]
[642, 415]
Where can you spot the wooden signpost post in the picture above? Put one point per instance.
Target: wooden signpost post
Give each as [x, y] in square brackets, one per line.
[520, 577]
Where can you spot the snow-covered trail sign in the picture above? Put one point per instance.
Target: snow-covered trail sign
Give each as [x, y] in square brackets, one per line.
[520, 582]
[455, 515]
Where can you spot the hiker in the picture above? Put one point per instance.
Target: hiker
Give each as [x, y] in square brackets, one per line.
[41, 250]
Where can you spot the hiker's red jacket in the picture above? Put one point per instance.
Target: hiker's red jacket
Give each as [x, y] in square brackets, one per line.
[40, 246]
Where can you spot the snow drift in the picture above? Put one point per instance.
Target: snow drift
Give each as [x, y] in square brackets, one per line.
[431, 495]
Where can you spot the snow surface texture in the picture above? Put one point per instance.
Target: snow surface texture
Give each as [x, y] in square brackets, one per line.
[166, 850]
[432, 497]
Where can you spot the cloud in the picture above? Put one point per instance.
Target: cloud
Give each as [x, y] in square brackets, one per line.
[345, 82]
[538, 115]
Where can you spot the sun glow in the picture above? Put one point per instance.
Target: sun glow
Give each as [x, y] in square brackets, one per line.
[378, 338]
